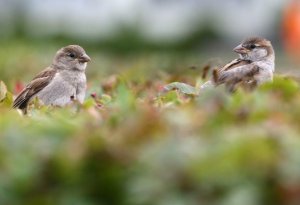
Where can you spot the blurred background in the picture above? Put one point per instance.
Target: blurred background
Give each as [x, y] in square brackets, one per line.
[138, 24]
[113, 31]
[129, 145]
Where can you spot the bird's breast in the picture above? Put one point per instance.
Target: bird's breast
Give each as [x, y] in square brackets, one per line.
[265, 65]
[62, 88]
[73, 78]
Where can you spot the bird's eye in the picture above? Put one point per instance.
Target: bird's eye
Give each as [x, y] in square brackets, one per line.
[72, 55]
[252, 46]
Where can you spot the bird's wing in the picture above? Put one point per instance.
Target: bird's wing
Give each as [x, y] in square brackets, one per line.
[217, 72]
[49, 71]
[235, 63]
[237, 74]
[36, 85]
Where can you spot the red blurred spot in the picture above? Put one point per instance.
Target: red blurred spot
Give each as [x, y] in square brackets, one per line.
[19, 86]
[94, 95]
[160, 87]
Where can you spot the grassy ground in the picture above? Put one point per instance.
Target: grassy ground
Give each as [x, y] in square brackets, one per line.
[127, 144]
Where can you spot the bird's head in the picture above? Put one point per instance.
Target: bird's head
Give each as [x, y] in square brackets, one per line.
[255, 49]
[72, 57]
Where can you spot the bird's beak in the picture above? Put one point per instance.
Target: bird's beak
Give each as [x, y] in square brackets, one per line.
[240, 49]
[84, 58]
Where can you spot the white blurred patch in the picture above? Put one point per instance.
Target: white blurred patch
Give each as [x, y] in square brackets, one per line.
[155, 20]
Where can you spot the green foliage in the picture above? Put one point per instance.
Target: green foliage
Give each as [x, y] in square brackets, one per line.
[6, 97]
[182, 87]
[130, 144]
[3, 91]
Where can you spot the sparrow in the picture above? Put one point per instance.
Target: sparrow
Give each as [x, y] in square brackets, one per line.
[255, 66]
[60, 83]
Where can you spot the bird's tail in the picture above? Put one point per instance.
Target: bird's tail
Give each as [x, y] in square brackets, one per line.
[22, 100]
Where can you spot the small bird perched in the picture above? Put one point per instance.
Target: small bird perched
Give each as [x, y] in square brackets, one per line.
[255, 65]
[59, 84]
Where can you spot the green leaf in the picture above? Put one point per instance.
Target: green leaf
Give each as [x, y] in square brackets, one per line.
[90, 102]
[287, 87]
[3, 91]
[125, 99]
[181, 87]
[105, 99]
[8, 100]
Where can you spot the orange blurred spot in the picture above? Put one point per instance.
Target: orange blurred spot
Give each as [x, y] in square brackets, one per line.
[291, 29]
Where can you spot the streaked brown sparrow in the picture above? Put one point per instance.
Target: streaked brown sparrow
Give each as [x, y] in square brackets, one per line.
[255, 65]
[59, 84]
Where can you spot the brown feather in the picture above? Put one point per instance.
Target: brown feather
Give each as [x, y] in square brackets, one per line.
[235, 63]
[36, 85]
[238, 75]
[215, 76]
[205, 70]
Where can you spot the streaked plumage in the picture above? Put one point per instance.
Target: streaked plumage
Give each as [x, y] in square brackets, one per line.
[254, 66]
[59, 84]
